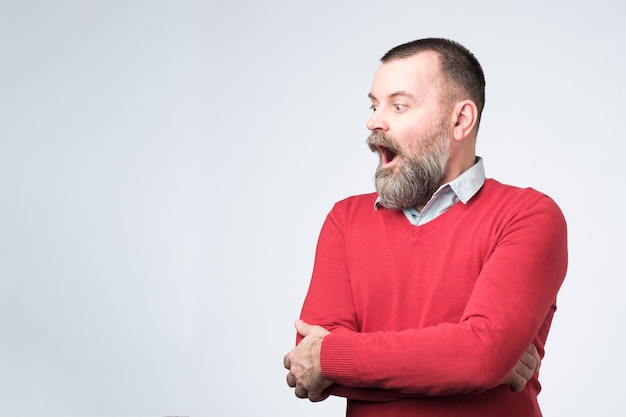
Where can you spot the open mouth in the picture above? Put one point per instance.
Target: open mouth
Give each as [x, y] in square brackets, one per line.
[387, 155]
[388, 150]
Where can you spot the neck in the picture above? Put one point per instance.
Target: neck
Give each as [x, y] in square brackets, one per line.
[458, 163]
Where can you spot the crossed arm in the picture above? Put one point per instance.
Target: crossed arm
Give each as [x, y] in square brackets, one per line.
[510, 307]
[305, 371]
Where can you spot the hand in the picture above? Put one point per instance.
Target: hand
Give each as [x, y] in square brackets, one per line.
[527, 366]
[303, 362]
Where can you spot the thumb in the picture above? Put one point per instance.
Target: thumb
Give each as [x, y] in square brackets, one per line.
[302, 328]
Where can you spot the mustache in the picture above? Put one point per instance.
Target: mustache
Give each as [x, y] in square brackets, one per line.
[379, 139]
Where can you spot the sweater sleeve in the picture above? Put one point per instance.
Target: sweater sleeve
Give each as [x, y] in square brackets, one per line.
[512, 299]
[329, 304]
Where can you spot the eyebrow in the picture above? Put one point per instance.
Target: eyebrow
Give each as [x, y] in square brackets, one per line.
[393, 95]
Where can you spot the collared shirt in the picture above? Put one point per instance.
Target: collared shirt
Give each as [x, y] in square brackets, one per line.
[462, 189]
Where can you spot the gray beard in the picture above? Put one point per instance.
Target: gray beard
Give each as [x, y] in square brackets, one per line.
[415, 180]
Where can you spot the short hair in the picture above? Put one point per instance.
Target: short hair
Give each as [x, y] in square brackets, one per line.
[457, 64]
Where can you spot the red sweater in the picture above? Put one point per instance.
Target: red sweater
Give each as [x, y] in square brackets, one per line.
[428, 320]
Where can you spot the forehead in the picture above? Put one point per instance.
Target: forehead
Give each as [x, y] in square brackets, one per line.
[418, 75]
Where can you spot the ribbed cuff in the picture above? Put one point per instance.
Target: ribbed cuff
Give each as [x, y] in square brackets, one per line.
[338, 358]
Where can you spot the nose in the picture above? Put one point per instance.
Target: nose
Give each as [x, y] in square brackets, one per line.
[377, 121]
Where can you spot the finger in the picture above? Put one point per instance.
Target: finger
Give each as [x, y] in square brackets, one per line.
[517, 382]
[526, 368]
[521, 374]
[320, 397]
[291, 380]
[301, 392]
[302, 328]
[317, 396]
[535, 353]
[530, 361]
[287, 362]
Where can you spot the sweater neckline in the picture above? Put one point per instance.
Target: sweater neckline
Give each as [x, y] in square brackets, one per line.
[435, 223]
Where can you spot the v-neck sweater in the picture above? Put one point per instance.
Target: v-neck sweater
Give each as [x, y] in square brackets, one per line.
[429, 319]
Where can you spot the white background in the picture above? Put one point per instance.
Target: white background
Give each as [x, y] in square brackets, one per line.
[165, 168]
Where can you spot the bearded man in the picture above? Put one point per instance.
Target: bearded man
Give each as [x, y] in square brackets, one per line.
[433, 296]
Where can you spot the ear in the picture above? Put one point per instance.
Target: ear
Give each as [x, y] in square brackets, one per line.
[465, 114]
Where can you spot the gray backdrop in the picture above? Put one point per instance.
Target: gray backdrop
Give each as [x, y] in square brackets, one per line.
[165, 167]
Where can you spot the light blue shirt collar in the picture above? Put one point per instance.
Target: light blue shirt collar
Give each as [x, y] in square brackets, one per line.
[462, 189]
[466, 185]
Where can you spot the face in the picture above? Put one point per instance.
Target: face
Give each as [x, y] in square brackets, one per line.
[409, 131]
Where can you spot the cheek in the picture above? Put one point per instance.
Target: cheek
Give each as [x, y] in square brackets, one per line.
[410, 139]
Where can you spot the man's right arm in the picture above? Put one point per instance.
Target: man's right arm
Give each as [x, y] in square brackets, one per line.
[527, 366]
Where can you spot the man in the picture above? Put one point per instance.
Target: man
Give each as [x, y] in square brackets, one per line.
[426, 295]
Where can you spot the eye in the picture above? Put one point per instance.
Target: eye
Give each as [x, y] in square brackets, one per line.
[373, 107]
[399, 107]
